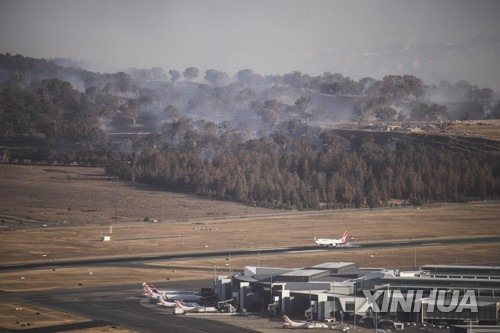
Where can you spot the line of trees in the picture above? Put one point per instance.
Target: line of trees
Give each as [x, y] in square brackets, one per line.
[59, 118]
[284, 171]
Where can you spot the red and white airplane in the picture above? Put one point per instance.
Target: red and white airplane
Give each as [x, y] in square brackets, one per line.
[193, 308]
[183, 296]
[163, 302]
[332, 242]
[150, 291]
[288, 323]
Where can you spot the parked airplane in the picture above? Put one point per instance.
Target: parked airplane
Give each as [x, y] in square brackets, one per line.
[149, 289]
[331, 242]
[194, 308]
[163, 302]
[302, 324]
[183, 296]
[149, 292]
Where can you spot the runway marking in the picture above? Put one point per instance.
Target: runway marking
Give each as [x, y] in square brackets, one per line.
[305, 251]
[430, 244]
[270, 249]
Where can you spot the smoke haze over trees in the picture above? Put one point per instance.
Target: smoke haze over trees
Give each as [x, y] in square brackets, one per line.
[445, 40]
[261, 140]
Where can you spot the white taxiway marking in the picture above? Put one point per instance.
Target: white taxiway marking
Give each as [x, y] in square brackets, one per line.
[305, 251]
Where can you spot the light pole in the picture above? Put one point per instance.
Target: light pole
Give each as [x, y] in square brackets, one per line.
[415, 264]
[215, 275]
[354, 306]
[271, 290]
[333, 293]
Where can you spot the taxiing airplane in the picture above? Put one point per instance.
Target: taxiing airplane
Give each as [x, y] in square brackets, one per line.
[288, 323]
[331, 242]
[194, 308]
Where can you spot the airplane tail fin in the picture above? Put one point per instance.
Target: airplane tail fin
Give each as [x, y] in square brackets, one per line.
[344, 237]
[287, 320]
[147, 290]
[178, 304]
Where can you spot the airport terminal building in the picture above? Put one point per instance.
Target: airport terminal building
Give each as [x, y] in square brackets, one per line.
[432, 294]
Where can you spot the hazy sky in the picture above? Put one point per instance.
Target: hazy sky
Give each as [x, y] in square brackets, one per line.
[268, 36]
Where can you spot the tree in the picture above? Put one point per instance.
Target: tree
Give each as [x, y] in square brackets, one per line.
[424, 112]
[248, 77]
[365, 107]
[145, 101]
[303, 104]
[123, 82]
[269, 116]
[190, 73]
[216, 77]
[133, 110]
[172, 111]
[416, 86]
[174, 75]
[157, 74]
[294, 79]
[386, 113]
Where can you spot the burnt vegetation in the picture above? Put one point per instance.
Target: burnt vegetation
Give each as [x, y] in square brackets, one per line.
[268, 141]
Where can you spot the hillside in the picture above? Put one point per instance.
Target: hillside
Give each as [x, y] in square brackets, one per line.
[36, 196]
[291, 142]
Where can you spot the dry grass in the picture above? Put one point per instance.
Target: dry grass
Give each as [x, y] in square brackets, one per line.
[189, 224]
[486, 129]
[35, 195]
[53, 243]
[43, 279]
[203, 269]
[24, 316]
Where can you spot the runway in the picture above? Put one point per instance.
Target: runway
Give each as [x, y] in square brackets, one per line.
[215, 254]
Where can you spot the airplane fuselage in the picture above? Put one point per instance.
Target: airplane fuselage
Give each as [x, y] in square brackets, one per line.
[332, 242]
[328, 242]
[302, 324]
